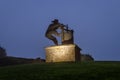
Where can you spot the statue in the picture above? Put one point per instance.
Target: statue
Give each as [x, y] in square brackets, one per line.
[66, 34]
[67, 50]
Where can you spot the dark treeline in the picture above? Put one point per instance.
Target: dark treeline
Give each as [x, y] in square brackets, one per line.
[6, 61]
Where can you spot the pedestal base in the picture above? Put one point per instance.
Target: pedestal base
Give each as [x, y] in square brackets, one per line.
[62, 53]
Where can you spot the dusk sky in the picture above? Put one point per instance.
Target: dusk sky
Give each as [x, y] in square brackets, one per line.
[96, 25]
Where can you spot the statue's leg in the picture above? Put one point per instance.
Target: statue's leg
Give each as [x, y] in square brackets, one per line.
[49, 36]
[56, 34]
[55, 41]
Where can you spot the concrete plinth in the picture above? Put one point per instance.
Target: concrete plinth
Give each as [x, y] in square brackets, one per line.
[62, 53]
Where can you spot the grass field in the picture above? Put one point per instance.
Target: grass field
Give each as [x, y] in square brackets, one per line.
[62, 71]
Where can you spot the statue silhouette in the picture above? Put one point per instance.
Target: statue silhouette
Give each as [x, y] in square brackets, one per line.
[52, 30]
[66, 34]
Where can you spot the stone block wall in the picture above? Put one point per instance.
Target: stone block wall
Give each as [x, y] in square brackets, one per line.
[63, 53]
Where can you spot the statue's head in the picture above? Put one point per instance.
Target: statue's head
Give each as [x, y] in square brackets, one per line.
[55, 21]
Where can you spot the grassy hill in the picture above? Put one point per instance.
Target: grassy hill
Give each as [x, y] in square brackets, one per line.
[62, 71]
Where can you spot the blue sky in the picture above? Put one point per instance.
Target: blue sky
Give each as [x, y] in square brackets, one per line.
[96, 24]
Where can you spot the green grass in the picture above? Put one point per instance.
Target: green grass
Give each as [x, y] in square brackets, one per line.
[62, 71]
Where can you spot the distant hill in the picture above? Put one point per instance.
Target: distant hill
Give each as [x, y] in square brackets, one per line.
[8, 60]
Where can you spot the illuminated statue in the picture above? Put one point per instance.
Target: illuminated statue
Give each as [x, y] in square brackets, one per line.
[66, 35]
[66, 50]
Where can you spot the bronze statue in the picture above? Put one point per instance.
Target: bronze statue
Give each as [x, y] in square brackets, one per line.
[66, 34]
[52, 30]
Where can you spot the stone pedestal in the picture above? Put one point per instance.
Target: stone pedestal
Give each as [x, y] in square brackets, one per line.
[62, 53]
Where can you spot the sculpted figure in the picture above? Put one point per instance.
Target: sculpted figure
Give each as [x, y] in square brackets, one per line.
[52, 30]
